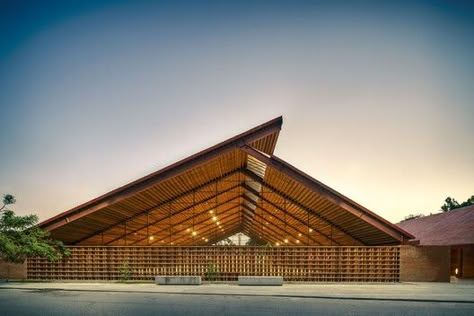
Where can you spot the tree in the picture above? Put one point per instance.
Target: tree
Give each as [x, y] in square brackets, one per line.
[412, 216]
[452, 204]
[21, 237]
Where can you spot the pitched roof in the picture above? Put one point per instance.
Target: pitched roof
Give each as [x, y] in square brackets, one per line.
[455, 227]
[237, 185]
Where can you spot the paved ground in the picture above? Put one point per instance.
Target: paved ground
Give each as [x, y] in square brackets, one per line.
[223, 299]
[421, 291]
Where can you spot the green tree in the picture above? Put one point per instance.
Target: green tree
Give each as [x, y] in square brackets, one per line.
[452, 204]
[412, 216]
[20, 237]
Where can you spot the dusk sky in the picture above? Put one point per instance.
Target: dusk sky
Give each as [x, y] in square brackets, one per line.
[377, 98]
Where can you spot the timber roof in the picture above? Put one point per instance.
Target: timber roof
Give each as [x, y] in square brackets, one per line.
[238, 185]
[455, 227]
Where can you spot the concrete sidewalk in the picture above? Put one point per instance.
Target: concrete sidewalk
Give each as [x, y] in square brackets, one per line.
[416, 292]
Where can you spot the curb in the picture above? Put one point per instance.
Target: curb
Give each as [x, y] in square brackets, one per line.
[393, 299]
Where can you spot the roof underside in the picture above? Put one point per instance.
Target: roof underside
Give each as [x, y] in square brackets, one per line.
[235, 186]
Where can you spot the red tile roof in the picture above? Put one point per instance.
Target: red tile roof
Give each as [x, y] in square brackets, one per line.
[455, 227]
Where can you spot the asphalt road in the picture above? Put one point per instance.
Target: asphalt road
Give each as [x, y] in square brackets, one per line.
[54, 302]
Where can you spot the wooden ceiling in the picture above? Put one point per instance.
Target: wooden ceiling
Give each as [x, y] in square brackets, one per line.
[238, 185]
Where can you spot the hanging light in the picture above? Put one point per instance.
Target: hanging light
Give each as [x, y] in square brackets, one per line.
[286, 240]
[151, 237]
[194, 233]
[214, 218]
[297, 241]
[277, 244]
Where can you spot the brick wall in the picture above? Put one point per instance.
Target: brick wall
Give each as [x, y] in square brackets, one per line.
[468, 261]
[12, 271]
[425, 263]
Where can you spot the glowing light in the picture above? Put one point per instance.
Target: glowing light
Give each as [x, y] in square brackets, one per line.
[188, 230]
[211, 212]
[194, 233]
[151, 237]
[277, 244]
[214, 218]
[297, 241]
[310, 230]
[286, 240]
[207, 240]
[299, 234]
[456, 271]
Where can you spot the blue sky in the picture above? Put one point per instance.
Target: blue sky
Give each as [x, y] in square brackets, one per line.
[377, 97]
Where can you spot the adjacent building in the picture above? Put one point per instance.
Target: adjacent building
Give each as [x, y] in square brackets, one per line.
[453, 228]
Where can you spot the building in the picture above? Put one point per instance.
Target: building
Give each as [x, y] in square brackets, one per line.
[455, 229]
[167, 223]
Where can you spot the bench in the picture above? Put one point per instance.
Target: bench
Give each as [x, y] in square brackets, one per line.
[178, 280]
[261, 280]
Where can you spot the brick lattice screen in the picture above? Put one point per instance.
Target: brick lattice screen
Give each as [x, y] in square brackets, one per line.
[221, 263]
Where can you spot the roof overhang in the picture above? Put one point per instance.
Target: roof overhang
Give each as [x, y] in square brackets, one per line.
[238, 185]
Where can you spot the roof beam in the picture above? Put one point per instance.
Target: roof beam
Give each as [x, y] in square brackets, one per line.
[306, 234]
[144, 213]
[224, 235]
[189, 218]
[327, 193]
[256, 178]
[273, 228]
[269, 234]
[287, 233]
[186, 219]
[209, 231]
[204, 230]
[331, 240]
[181, 239]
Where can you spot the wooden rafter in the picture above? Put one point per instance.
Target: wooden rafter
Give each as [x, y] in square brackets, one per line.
[256, 178]
[166, 202]
[329, 194]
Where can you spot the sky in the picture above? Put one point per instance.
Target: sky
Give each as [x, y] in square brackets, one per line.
[377, 98]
